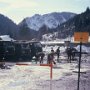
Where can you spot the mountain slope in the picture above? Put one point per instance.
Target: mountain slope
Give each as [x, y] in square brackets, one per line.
[51, 20]
[80, 22]
[8, 27]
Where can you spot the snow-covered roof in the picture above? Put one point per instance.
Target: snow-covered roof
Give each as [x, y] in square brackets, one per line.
[6, 38]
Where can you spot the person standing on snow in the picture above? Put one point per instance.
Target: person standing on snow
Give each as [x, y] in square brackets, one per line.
[69, 54]
[51, 57]
[58, 53]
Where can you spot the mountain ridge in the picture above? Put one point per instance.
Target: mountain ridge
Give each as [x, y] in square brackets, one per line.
[51, 20]
[8, 27]
[79, 23]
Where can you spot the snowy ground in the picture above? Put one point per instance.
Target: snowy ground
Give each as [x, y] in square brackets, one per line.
[38, 78]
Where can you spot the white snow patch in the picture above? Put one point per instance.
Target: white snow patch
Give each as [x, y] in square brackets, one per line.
[6, 38]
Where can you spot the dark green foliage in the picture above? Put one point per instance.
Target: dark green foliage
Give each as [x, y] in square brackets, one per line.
[82, 22]
[24, 32]
[42, 30]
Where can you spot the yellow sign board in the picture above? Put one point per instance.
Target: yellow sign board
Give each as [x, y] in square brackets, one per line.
[81, 37]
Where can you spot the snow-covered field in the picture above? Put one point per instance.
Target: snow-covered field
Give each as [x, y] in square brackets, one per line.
[38, 77]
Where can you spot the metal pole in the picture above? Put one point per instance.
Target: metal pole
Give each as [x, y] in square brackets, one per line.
[79, 65]
[51, 76]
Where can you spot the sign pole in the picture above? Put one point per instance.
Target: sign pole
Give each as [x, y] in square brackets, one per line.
[81, 37]
[51, 76]
[79, 66]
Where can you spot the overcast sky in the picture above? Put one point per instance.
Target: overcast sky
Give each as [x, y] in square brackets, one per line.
[19, 9]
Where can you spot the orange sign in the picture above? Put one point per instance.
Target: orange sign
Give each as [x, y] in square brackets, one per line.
[81, 37]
